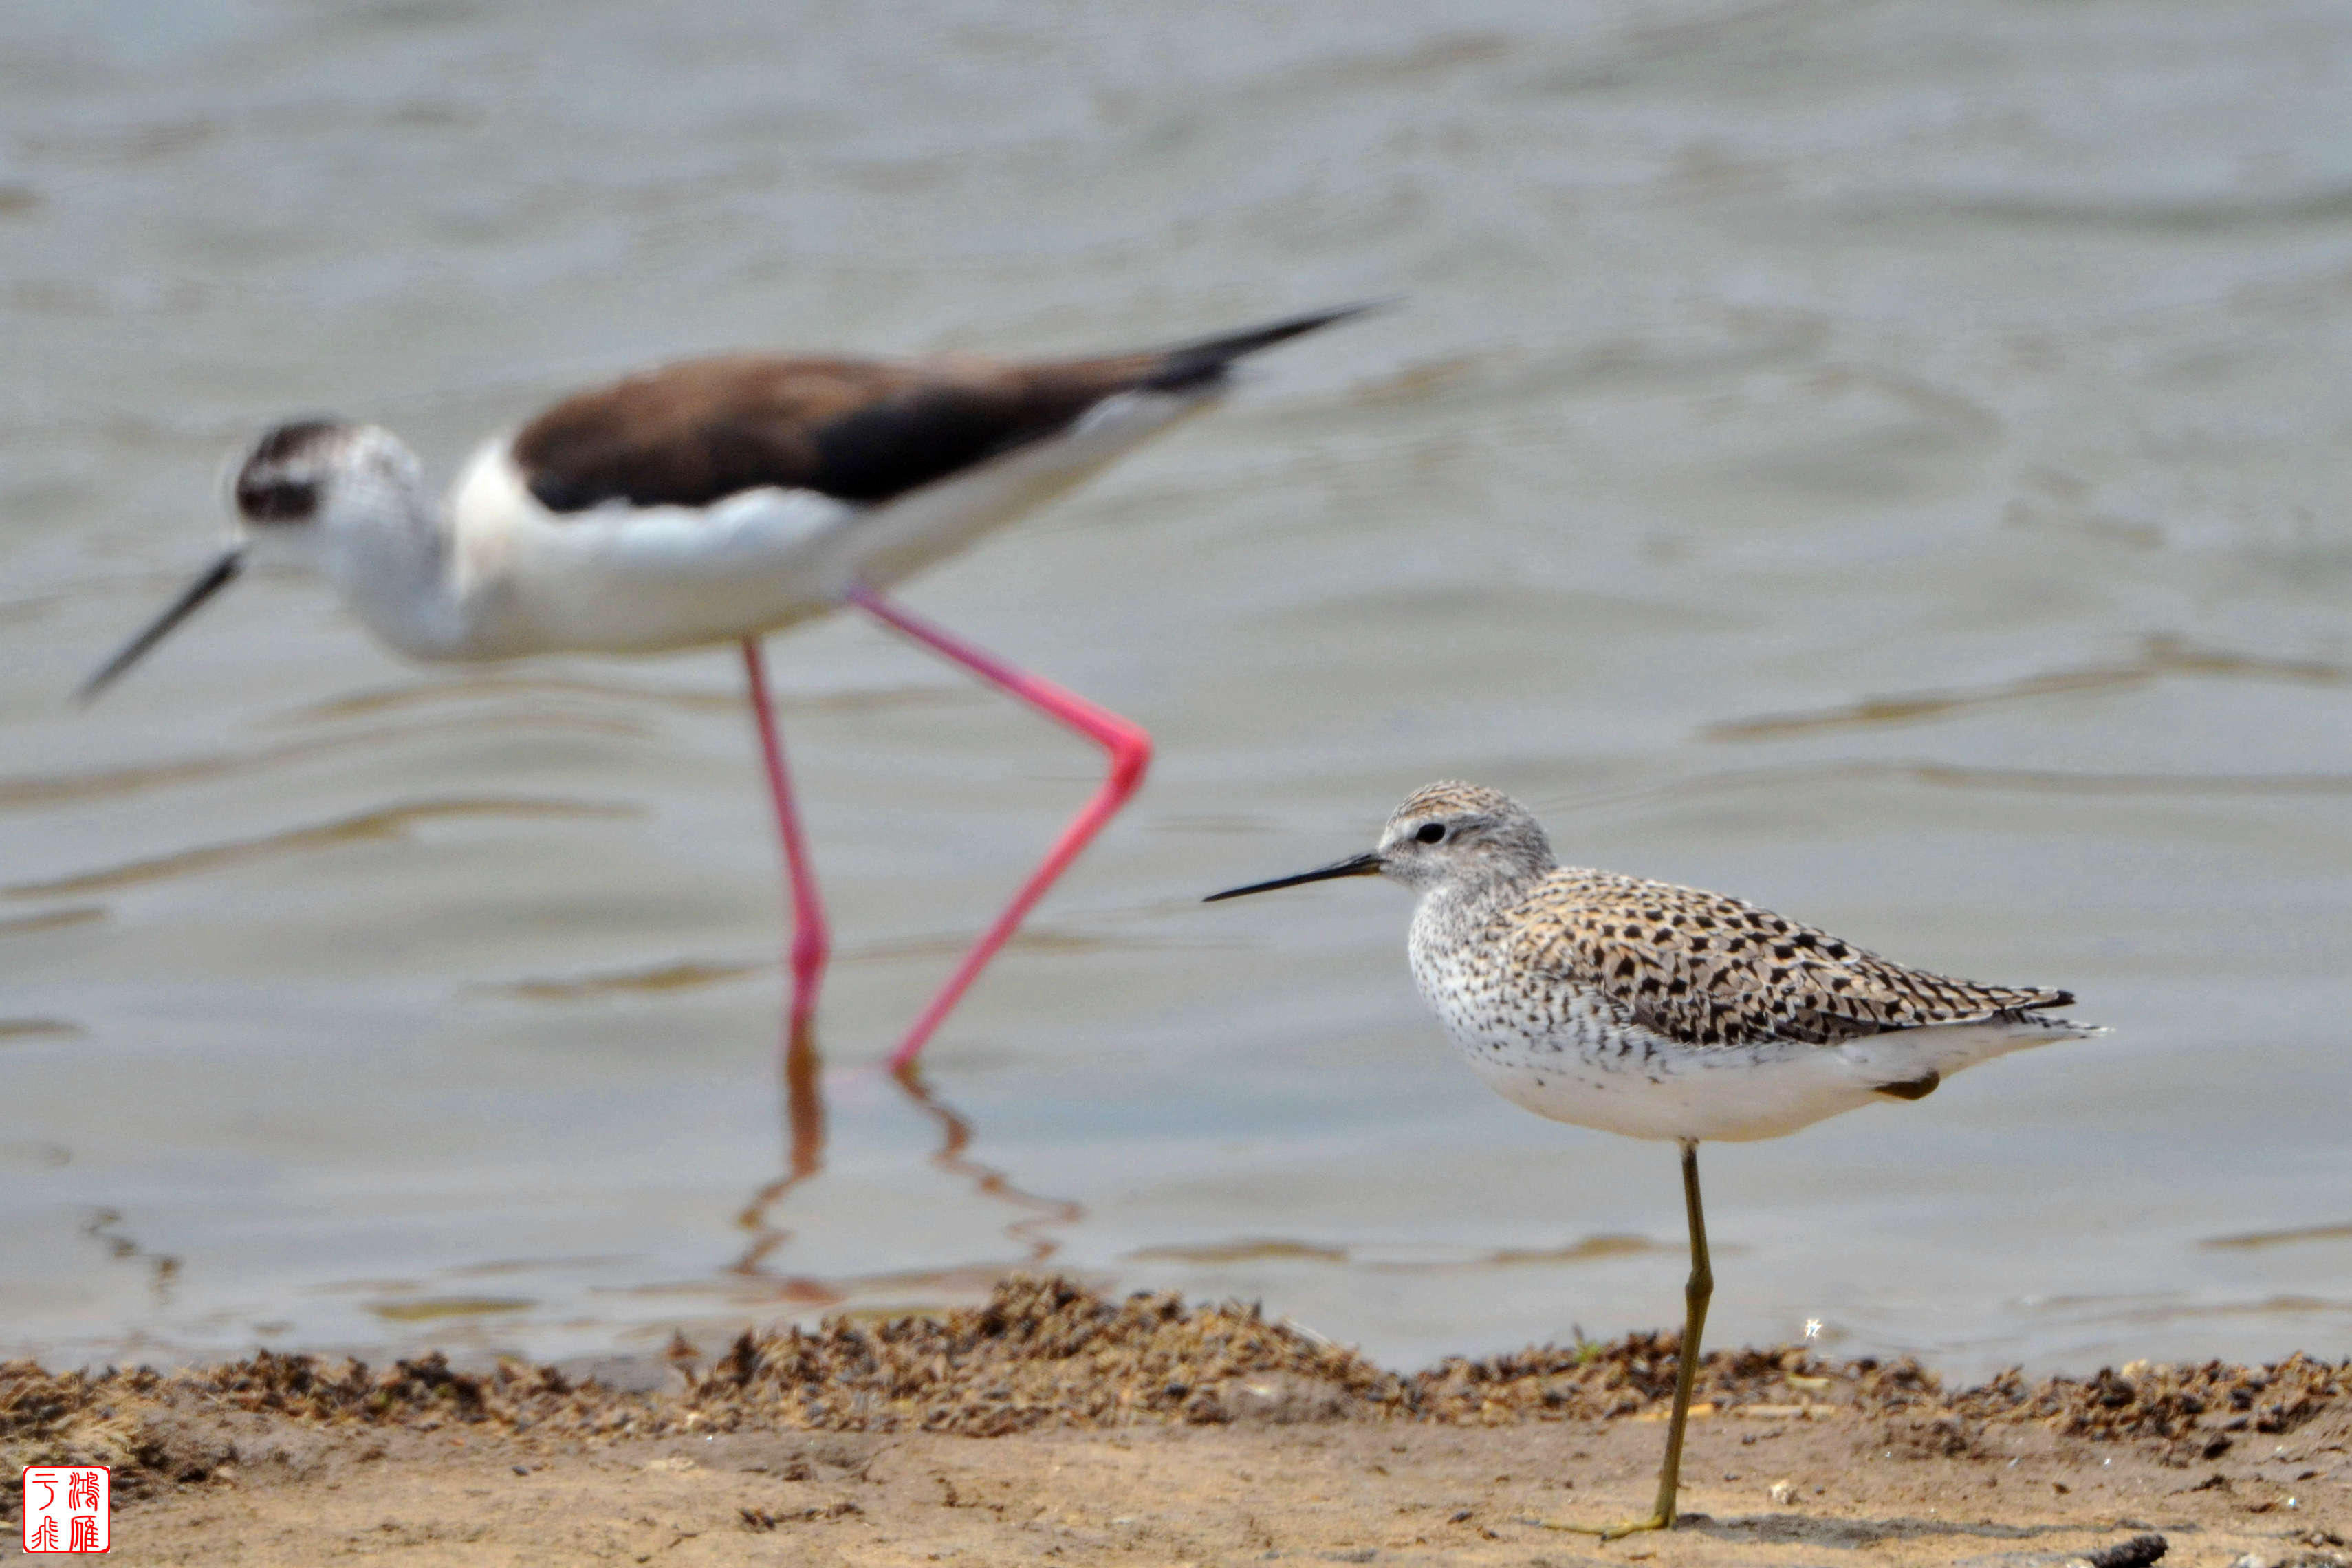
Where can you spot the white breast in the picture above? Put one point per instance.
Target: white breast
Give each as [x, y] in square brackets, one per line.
[619, 578]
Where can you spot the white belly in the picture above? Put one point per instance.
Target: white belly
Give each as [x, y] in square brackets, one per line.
[1730, 1093]
[623, 579]
[1565, 1056]
[1740, 1096]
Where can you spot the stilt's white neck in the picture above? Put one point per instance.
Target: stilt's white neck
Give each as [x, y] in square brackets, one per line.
[384, 546]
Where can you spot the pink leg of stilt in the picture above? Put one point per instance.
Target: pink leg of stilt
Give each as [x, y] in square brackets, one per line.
[1131, 753]
[811, 939]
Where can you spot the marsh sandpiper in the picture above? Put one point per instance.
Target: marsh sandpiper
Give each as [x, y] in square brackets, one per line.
[1663, 1012]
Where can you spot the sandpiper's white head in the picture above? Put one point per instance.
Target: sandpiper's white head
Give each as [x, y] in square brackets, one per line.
[1453, 835]
[343, 501]
[1462, 834]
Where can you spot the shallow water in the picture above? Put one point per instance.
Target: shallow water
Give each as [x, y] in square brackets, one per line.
[1884, 460]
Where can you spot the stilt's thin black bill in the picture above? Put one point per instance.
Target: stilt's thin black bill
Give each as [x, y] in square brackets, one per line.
[1365, 864]
[219, 576]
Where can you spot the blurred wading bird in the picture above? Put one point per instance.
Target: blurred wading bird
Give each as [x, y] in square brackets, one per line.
[1663, 1012]
[715, 501]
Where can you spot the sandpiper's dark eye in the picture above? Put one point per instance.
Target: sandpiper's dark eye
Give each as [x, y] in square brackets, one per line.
[1431, 832]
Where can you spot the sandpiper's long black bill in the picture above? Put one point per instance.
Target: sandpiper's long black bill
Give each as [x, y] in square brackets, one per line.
[1365, 864]
[216, 576]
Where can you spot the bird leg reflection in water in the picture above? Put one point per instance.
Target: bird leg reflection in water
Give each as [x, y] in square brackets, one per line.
[804, 1134]
[806, 1129]
[955, 1138]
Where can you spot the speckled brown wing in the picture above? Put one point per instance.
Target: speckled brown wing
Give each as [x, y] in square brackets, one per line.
[1705, 970]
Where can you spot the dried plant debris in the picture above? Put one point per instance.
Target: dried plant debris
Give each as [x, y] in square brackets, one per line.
[2198, 1405]
[71, 1418]
[421, 1393]
[151, 1426]
[1051, 1352]
[1634, 1376]
[1043, 1352]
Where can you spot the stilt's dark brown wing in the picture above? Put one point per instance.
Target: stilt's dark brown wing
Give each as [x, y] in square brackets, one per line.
[859, 430]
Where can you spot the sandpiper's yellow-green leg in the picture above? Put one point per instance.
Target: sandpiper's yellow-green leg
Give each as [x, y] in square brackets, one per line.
[1695, 1294]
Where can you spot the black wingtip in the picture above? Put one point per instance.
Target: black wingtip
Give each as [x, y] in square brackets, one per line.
[1918, 1088]
[1190, 365]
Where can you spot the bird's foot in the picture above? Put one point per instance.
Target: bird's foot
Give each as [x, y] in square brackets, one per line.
[1614, 1532]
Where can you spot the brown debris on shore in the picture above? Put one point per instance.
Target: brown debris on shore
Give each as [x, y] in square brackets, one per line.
[1050, 1352]
[153, 1428]
[2208, 1402]
[1043, 1352]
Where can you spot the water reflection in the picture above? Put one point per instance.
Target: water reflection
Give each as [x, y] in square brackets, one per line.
[51, 919]
[679, 974]
[390, 822]
[805, 1132]
[104, 1225]
[2160, 656]
[1947, 776]
[805, 1135]
[1416, 1260]
[39, 1029]
[33, 791]
[2259, 1239]
[955, 1142]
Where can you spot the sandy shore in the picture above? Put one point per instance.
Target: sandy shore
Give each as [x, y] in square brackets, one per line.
[1056, 1425]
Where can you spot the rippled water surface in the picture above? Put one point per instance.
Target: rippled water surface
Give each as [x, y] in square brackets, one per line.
[1888, 461]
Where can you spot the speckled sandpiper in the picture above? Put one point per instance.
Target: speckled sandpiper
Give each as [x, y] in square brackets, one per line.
[1663, 1012]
